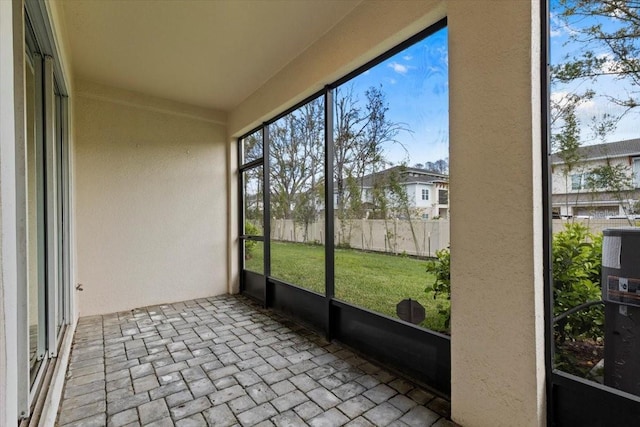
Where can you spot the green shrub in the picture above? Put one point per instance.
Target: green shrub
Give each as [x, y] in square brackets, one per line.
[441, 269]
[577, 255]
[249, 245]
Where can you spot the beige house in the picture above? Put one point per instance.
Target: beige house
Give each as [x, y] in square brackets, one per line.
[119, 173]
[427, 193]
[572, 194]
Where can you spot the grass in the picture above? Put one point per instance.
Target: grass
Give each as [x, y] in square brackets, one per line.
[374, 281]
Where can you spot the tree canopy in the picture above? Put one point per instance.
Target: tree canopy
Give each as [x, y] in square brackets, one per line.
[607, 36]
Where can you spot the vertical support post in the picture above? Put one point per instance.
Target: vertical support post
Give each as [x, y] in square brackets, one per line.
[241, 213]
[267, 214]
[547, 222]
[496, 109]
[329, 247]
[51, 203]
[39, 204]
[66, 204]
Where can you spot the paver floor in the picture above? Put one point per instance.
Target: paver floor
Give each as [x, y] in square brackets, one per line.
[223, 361]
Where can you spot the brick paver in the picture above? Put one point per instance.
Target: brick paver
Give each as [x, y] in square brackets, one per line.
[225, 361]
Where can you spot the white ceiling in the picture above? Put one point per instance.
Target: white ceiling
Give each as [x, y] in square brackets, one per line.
[209, 53]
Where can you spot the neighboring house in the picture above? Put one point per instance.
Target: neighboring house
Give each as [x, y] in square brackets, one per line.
[427, 191]
[571, 194]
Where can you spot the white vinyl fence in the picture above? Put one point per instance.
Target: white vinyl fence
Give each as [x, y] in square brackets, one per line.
[596, 225]
[415, 237]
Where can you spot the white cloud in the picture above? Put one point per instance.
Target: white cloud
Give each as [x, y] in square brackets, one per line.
[610, 65]
[588, 107]
[559, 97]
[407, 57]
[399, 68]
[595, 108]
[555, 27]
[558, 27]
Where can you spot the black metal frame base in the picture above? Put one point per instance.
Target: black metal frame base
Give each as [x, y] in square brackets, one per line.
[419, 353]
[581, 403]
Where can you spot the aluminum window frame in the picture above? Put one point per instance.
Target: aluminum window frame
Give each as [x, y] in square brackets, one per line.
[328, 93]
[325, 313]
[570, 400]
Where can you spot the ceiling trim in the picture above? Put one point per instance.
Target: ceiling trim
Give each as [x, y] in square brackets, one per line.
[101, 92]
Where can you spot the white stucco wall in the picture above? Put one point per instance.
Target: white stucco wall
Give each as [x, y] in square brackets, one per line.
[497, 344]
[495, 123]
[150, 202]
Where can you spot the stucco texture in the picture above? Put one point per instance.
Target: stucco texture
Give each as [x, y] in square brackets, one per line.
[151, 202]
[497, 344]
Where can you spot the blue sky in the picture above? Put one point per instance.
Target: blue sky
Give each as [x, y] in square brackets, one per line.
[415, 82]
[560, 46]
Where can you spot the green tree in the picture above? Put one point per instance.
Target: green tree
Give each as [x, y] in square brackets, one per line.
[296, 163]
[566, 142]
[253, 180]
[615, 179]
[439, 166]
[441, 286]
[605, 39]
[362, 128]
[402, 205]
[608, 33]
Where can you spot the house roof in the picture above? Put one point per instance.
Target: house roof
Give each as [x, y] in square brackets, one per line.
[629, 147]
[406, 175]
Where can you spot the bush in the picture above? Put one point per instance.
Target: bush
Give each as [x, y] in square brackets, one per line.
[577, 255]
[249, 245]
[441, 269]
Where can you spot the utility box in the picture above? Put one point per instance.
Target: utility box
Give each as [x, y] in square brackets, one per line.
[621, 296]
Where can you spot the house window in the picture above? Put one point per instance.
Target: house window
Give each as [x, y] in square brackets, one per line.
[425, 194]
[579, 181]
[576, 181]
[443, 197]
[636, 172]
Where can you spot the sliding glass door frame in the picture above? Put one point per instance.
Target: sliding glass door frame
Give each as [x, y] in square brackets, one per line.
[43, 201]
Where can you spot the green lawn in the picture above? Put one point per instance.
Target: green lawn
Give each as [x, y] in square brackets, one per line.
[374, 281]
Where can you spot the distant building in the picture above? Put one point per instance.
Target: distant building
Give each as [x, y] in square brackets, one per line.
[571, 195]
[427, 192]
